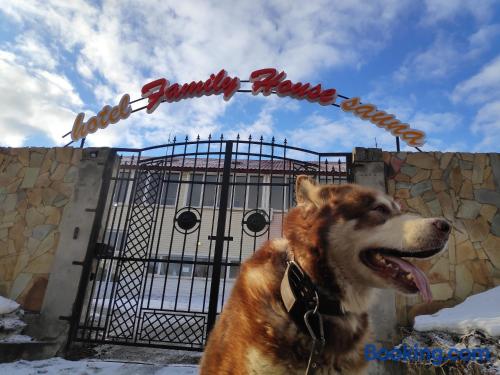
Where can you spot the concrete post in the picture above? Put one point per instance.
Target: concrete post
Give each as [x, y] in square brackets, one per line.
[76, 229]
[368, 170]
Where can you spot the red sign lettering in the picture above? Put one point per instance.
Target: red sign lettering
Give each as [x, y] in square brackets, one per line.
[266, 80]
[161, 90]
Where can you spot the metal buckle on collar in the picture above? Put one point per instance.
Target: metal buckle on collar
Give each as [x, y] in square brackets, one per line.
[318, 342]
[307, 321]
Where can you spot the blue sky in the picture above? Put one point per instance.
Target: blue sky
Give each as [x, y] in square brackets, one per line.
[435, 64]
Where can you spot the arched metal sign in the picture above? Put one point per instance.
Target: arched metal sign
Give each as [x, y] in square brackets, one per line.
[263, 82]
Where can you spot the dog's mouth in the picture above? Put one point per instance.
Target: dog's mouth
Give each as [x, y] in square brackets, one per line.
[388, 264]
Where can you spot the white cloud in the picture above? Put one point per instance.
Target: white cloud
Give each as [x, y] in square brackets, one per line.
[484, 38]
[437, 61]
[481, 87]
[483, 90]
[487, 124]
[34, 53]
[323, 134]
[449, 10]
[118, 46]
[34, 102]
[436, 122]
[447, 55]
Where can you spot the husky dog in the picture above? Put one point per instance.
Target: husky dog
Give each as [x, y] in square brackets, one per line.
[349, 240]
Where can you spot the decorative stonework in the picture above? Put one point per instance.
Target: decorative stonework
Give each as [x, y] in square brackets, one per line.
[465, 189]
[35, 186]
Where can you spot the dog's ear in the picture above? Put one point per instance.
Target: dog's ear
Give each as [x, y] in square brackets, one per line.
[306, 190]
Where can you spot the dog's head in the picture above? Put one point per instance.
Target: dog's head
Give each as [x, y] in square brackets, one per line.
[364, 235]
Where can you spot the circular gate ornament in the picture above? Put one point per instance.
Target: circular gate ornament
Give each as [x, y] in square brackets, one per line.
[187, 220]
[256, 221]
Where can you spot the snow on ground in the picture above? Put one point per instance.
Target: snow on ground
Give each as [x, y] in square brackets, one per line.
[475, 323]
[11, 325]
[59, 366]
[479, 312]
[7, 306]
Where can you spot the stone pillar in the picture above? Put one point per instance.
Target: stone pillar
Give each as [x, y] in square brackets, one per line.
[77, 230]
[368, 170]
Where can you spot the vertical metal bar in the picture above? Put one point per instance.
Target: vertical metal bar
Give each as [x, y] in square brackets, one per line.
[82, 143]
[219, 241]
[398, 149]
[284, 176]
[212, 225]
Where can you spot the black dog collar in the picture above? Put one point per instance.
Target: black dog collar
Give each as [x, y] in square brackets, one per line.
[300, 295]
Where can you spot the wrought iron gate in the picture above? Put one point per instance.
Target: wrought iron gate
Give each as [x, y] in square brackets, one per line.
[178, 221]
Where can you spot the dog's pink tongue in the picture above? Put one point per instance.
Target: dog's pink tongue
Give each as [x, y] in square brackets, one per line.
[420, 279]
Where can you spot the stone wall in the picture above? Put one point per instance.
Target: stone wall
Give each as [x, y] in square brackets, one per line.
[465, 189]
[35, 186]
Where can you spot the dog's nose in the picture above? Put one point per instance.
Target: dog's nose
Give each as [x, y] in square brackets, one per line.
[442, 225]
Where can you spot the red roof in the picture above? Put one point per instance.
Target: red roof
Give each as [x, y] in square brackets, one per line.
[265, 166]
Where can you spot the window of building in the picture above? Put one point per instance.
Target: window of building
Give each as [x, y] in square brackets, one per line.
[194, 191]
[282, 195]
[251, 193]
[175, 269]
[207, 189]
[234, 270]
[210, 194]
[205, 270]
[170, 189]
[120, 193]
[113, 239]
[187, 270]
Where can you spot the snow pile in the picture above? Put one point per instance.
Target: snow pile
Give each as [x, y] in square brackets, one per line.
[479, 312]
[473, 324]
[59, 366]
[446, 341]
[11, 324]
[7, 306]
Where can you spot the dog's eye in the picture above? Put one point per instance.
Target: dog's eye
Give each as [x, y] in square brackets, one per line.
[382, 209]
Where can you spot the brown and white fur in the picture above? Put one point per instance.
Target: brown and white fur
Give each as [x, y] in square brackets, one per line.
[327, 232]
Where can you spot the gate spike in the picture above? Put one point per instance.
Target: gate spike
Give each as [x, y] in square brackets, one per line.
[210, 136]
[272, 140]
[250, 137]
[187, 138]
[198, 137]
[238, 137]
[221, 137]
[175, 139]
[261, 138]
[285, 142]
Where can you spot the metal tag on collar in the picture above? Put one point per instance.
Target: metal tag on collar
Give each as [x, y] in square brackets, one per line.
[295, 286]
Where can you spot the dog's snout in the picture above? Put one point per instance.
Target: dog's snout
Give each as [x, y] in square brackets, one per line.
[442, 226]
